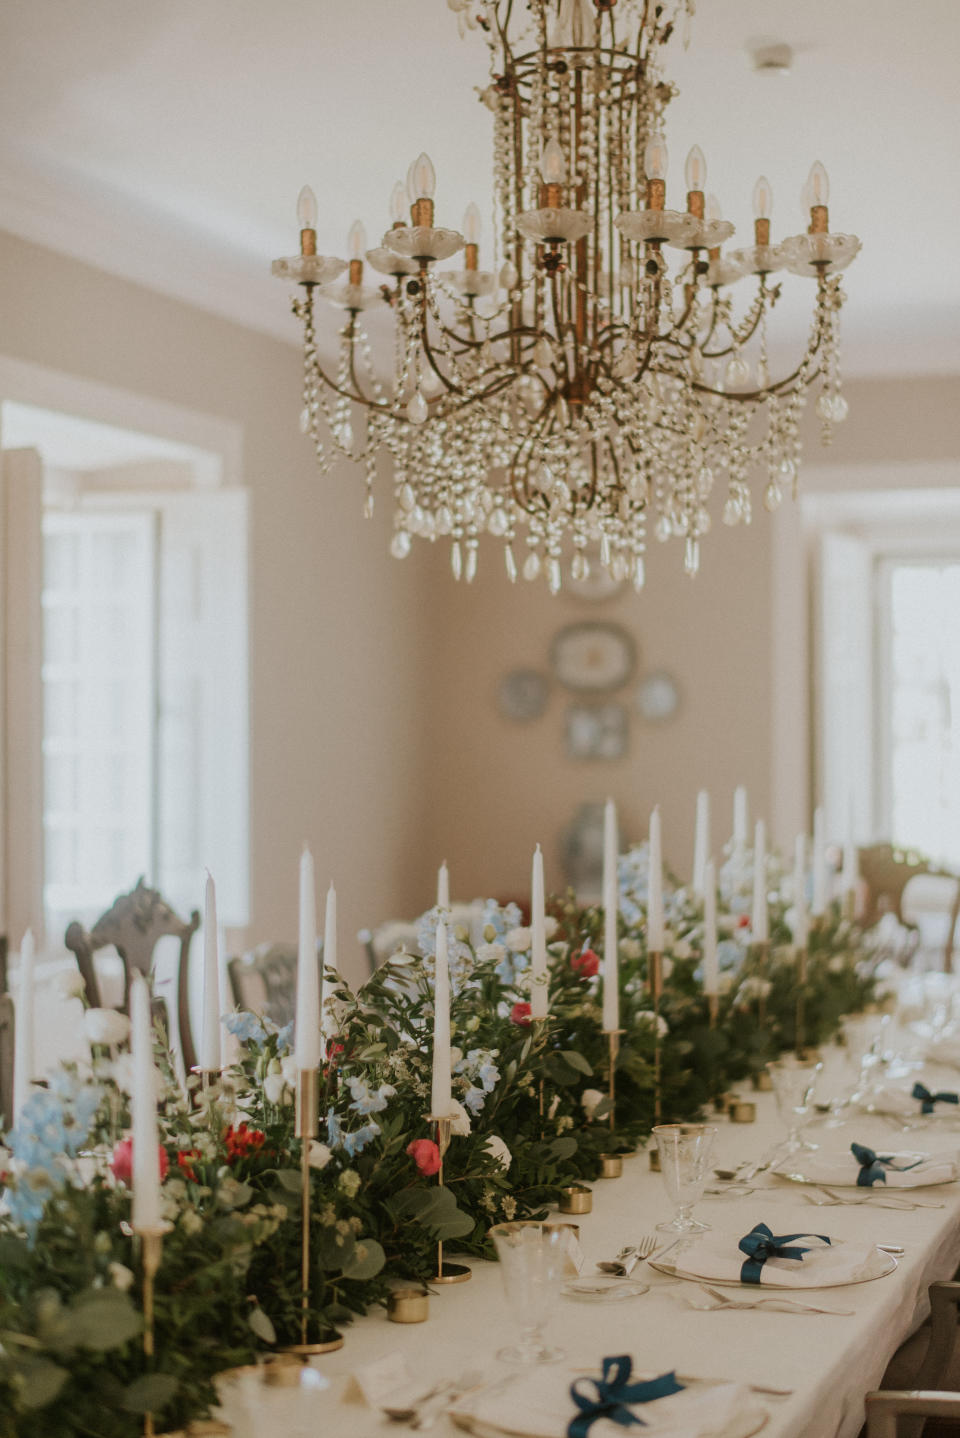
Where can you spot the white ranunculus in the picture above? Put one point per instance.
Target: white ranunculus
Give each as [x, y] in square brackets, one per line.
[550, 927]
[498, 1150]
[590, 1098]
[273, 1087]
[647, 1017]
[456, 1057]
[120, 1276]
[70, 984]
[106, 1026]
[631, 948]
[667, 967]
[518, 940]
[318, 1155]
[288, 1067]
[461, 1119]
[683, 949]
[491, 954]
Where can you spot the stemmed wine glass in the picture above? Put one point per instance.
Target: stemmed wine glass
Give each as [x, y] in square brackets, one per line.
[685, 1151]
[533, 1259]
[793, 1086]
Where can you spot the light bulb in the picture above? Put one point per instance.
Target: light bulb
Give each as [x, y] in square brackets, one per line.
[553, 163]
[695, 170]
[713, 210]
[357, 241]
[762, 199]
[656, 158]
[307, 209]
[471, 224]
[421, 179]
[818, 185]
[398, 203]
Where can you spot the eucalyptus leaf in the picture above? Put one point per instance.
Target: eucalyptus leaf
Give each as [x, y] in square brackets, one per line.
[103, 1318]
[40, 1381]
[564, 1147]
[577, 1061]
[289, 1178]
[367, 1260]
[150, 1393]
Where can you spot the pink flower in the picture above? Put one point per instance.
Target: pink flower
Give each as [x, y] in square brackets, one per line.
[425, 1155]
[121, 1164]
[520, 1015]
[586, 964]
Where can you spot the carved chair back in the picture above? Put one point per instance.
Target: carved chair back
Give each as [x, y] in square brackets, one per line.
[134, 924]
[6, 1042]
[887, 870]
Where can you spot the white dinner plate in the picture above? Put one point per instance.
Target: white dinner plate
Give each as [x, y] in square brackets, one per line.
[894, 1190]
[603, 1289]
[889, 1266]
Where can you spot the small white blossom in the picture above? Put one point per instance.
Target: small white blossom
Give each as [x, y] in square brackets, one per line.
[70, 984]
[498, 1150]
[288, 1067]
[667, 967]
[461, 1119]
[518, 940]
[647, 1017]
[683, 949]
[837, 964]
[590, 1099]
[318, 1155]
[105, 1026]
[273, 1087]
[491, 953]
[550, 927]
[190, 1221]
[631, 948]
[456, 1056]
[120, 1275]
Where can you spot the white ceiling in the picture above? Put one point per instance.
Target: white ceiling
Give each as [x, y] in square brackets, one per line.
[168, 142]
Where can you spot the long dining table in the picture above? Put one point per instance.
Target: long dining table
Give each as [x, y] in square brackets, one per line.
[824, 1364]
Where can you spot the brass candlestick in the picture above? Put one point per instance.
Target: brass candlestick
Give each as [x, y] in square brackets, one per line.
[763, 954]
[613, 1039]
[713, 1009]
[446, 1272]
[800, 1036]
[655, 963]
[305, 1127]
[151, 1251]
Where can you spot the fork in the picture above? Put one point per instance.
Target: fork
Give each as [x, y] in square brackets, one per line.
[719, 1299]
[645, 1247]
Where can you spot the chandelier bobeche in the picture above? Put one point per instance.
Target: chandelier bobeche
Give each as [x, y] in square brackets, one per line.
[596, 383]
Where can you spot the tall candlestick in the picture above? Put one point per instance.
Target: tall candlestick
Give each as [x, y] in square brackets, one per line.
[23, 1061]
[701, 843]
[440, 1091]
[146, 1144]
[538, 946]
[329, 955]
[655, 926]
[443, 886]
[306, 1046]
[800, 924]
[759, 921]
[611, 903]
[210, 1058]
[818, 905]
[711, 972]
[739, 819]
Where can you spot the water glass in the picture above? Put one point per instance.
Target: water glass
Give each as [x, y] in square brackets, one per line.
[533, 1258]
[685, 1152]
[793, 1087]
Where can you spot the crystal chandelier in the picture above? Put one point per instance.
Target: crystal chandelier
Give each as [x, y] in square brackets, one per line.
[606, 377]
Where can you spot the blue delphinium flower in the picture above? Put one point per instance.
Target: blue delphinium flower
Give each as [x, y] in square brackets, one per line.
[356, 1142]
[366, 1101]
[474, 1099]
[247, 1027]
[334, 1130]
[285, 1039]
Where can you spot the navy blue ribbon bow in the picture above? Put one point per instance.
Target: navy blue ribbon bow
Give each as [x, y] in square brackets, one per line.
[760, 1244]
[873, 1166]
[613, 1392]
[928, 1099]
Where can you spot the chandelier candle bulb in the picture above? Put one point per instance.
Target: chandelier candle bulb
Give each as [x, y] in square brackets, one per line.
[440, 1091]
[398, 205]
[655, 925]
[538, 945]
[817, 190]
[146, 1214]
[443, 886]
[818, 903]
[471, 234]
[23, 1060]
[759, 921]
[762, 207]
[210, 1058]
[701, 842]
[306, 1041]
[611, 893]
[695, 173]
[711, 973]
[356, 249]
[307, 218]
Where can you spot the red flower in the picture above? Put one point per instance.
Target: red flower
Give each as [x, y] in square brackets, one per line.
[185, 1163]
[425, 1155]
[585, 964]
[241, 1142]
[121, 1164]
[743, 922]
[520, 1015]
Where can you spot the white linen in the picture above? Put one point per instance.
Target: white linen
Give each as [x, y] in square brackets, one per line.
[898, 1099]
[945, 1051]
[843, 1169]
[717, 1257]
[537, 1404]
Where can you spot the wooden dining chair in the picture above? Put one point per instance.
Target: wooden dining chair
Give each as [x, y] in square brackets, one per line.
[265, 981]
[133, 925]
[6, 1042]
[929, 1360]
[886, 871]
[935, 1414]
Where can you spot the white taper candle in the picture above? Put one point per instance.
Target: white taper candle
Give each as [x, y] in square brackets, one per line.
[818, 905]
[800, 922]
[701, 842]
[611, 902]
[739, 819]
[147, 1212]
[23, 1060]
[711, 972]
[655, 925]
[759, 919]
[440, 1089]
[306, 1043]
[443, 886]
[538, 940]
[329, 955]
[209, 1057]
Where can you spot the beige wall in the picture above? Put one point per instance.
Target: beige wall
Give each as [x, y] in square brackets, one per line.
[338, 631]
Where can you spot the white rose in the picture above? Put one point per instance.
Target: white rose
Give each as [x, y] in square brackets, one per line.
[667, 968]
[121, 1071]
[491, 953]
[682, 949]
[120, 1275]
[590, 1098]
[550, 926]
[461, 1119]
[518, 940]
[498, 1150]
[105, 1026]
[456, 1057]
[273, 1087]
[288, 1067]
[70, 985]
[318, 1155]
[630, 948]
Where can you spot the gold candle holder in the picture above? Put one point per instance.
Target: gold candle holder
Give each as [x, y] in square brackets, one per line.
[713, 1009]
[408, 1305]
[446, 1272]
[305, 1127]
[611, 1165]
[151, 1252]
[743, 1110]
[800, 1024]
[655, 963]
[762, 1082]
[613, 1039]
[578, 1198]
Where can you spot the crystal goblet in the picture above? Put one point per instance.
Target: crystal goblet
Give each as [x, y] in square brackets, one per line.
[533, 1260]
[793, 1087]
[685, 1151]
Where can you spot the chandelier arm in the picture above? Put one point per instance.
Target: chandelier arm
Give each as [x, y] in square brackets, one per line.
[427, 347]
[381, 405]
[561, 326]
[352, 337]
[747, 395]
[714, 316]
[524, 498]
[744, 335]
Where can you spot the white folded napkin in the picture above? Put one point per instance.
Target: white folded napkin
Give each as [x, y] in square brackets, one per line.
[717, 1258]
[888, 1098]
[843, 1169]
[537, 1404]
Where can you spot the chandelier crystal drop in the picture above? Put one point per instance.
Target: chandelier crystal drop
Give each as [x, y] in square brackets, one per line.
[607, 375]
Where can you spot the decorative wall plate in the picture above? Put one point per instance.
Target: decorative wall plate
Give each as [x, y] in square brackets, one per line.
[593, 656]
[596, 731]
[658, 696]
[599, 583]
[523, 694]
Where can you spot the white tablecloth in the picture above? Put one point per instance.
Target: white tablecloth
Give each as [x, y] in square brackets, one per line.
[829, 1362]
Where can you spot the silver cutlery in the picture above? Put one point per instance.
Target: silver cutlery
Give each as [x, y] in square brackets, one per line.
[714, 1298]
[628, 1258]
